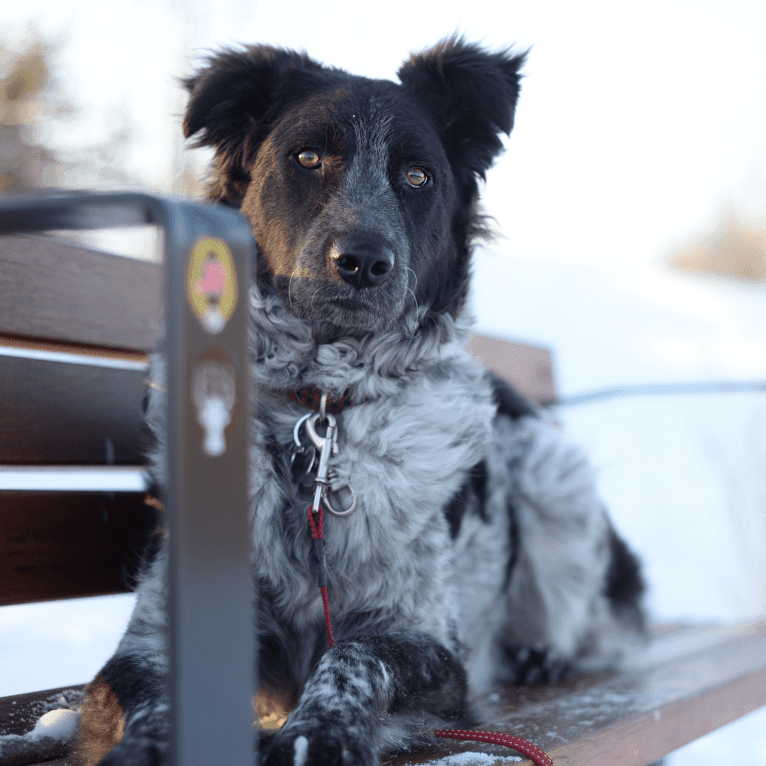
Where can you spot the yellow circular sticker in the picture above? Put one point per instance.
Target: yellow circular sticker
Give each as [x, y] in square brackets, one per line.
[212, 283]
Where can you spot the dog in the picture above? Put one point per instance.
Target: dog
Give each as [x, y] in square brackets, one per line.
[470, 546]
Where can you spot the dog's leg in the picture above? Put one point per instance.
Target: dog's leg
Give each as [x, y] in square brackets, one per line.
[357, 699]
[126, 717]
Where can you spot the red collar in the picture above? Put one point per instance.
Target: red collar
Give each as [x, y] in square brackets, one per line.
[310, 396]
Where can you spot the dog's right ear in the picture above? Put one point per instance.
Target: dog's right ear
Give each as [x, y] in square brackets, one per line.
[232, 100]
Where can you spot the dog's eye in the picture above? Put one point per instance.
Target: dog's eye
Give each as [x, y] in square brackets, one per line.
[308, 158]
[416, 177]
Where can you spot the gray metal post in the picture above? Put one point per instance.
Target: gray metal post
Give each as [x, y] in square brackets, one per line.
[211, 590]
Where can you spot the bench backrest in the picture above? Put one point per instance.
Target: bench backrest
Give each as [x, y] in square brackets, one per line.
[74, 335]
[76, 326]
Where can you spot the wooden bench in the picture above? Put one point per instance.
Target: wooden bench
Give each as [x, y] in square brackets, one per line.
[74, 338]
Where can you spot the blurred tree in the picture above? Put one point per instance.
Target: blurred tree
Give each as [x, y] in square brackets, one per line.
[25, 164]
[37, 115]
[734, 248]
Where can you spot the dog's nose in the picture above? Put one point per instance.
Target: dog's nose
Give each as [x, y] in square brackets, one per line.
[362, 262]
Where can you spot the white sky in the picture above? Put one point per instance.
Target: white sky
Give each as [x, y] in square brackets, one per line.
[638, 123]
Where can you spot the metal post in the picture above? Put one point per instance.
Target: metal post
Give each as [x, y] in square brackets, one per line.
[211, 590]
[208, 253]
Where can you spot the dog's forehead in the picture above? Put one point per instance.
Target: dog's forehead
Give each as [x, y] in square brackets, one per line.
[361, 113]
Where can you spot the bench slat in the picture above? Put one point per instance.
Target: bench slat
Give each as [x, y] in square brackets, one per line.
[57, 545]
[56, 290]
[689, 684]
[57, 413]
[528, 368]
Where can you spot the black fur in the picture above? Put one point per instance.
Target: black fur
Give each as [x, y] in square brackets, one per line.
[624, 582]
[509, 401]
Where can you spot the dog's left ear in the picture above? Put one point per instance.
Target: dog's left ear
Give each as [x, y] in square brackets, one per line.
[472, 94]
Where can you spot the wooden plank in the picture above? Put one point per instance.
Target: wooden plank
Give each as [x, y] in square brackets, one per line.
[528, 368]
[57, 545]
[56, 290]
[58, 413]
[688, 684]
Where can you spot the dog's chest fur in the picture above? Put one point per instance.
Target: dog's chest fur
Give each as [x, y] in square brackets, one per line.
[405, 450]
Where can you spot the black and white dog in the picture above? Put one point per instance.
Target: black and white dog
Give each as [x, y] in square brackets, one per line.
[478, 551]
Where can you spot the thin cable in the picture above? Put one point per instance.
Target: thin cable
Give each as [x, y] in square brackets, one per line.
[662, 389]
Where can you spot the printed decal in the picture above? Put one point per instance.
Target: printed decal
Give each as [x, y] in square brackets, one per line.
[214, 393]
[212, 284]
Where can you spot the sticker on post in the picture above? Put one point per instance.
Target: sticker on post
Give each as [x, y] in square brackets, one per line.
[212, 283]
[214, 393]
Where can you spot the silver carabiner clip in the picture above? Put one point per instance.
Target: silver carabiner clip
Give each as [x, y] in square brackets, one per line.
[297, 429]
[319, 441]
[327, 446]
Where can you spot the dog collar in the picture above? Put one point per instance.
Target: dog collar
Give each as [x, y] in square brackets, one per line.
[311, 397]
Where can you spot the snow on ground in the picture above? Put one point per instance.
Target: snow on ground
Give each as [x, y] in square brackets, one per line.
[45, 646]
[683, 475]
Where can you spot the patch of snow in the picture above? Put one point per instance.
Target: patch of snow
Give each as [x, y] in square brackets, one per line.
[60, 725]
[470, 759]
[59, 643]
[742, 742]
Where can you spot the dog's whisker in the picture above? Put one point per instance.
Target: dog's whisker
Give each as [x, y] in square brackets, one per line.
[314, 297]
[290, 286]
[414, 298]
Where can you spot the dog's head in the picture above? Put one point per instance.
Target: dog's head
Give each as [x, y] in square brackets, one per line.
[362, 193]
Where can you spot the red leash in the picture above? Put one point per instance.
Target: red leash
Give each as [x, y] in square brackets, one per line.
[316, 531]
[492, 737]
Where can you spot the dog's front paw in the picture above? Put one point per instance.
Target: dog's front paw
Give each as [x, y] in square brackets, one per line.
[318, 746]
[535, 665]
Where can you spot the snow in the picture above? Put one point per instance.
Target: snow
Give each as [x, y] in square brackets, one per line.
[684, 476]
[49, 645]
[60, 725]
[470, 759]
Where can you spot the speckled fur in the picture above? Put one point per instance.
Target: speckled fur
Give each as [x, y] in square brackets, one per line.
[479, 553]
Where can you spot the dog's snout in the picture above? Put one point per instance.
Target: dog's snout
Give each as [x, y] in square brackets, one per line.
[361, 261]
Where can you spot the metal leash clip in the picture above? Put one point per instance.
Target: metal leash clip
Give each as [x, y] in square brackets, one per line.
[302, 457]
[327, 446]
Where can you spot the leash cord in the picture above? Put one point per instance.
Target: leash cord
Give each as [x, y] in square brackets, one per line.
[491, 737]
[316, 530]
